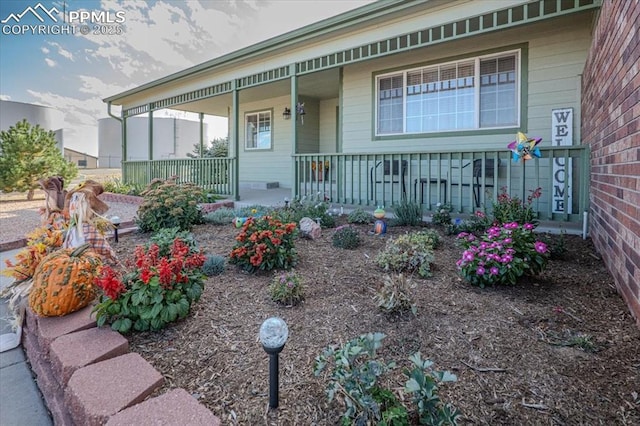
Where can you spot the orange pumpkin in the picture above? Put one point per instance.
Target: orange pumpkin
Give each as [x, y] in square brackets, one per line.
[63, 281]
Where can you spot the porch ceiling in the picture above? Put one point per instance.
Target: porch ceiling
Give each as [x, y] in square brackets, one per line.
[321, 85]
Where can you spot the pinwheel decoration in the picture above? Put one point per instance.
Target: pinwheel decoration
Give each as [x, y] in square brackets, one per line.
[525, 148]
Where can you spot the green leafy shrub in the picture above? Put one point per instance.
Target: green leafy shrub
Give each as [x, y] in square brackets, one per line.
[395, 295]
[265, 243]
[346, 237]
[154, 292]
[307, 207]
[168, 204]
[409, 253]
[359, 215]
[407, 213]
[507, 209]
[355, 370]
[221, 216]
[477, 224]
[442, 215]
[423, 387]
[287, 288]
[213, 265]
[164, 240]
[501, 255]
[353, 376]
[117, 186]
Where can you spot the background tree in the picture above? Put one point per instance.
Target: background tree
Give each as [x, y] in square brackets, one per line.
[218, 147]
[28, 154]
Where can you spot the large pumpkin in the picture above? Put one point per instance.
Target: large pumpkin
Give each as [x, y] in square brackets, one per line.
[63, 281]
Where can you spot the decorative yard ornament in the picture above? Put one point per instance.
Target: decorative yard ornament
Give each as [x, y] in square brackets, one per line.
[525, 148]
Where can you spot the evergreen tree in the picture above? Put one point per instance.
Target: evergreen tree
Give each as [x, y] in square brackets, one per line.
[219, 147]
[28, 154]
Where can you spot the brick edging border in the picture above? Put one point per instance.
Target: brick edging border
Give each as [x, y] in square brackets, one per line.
[88, 376]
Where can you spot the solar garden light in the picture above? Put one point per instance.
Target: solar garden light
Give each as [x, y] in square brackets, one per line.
[273, 336]
[286, 202]
[115, 220]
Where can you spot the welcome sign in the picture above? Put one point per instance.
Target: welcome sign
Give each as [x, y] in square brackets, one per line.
[562, 135]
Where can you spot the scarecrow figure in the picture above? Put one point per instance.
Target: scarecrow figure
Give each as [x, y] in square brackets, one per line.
[86, 221]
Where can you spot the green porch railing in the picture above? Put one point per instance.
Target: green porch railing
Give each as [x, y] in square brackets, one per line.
[214, 174]
[467, 180]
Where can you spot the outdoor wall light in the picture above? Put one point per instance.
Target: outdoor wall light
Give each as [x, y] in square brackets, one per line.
[273, 335]
[115, 220]
[286, 114]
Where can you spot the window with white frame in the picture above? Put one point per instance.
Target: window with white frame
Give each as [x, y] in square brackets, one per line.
[474, 93]
[258, 130]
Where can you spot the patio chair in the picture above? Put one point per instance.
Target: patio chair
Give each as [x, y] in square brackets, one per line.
[393, 171]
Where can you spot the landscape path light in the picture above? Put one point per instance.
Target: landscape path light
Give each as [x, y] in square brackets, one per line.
[273, 335]
[115, 221]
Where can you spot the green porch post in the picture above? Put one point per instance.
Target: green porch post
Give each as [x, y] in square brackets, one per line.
[150, 133]
[201, 134]
[236, 141]
[294, 129]
[124, 148]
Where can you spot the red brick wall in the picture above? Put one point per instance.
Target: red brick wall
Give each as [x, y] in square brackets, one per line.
[611, 126]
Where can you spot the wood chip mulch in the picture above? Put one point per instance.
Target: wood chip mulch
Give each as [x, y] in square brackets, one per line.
[513, 349]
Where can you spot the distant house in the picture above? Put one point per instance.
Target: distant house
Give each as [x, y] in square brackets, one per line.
[46, 117]
[81, 159]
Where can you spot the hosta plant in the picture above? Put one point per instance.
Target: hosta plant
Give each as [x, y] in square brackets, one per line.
[287, 288]
[501, 255]
[264, 244]
[154, 292]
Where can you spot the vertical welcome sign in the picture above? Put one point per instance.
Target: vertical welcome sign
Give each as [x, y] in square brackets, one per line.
[562, 135]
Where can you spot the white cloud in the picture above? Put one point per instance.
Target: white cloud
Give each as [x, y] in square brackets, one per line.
[50, 62]
[5, 98]
[45, 50]
[61, 51]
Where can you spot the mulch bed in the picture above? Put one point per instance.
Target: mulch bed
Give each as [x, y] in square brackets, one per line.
[511, 347]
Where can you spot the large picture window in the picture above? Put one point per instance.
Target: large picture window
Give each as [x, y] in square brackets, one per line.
[475, 93]
[258, 130]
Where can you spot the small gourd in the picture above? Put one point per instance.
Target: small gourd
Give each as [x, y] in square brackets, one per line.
[63, 281]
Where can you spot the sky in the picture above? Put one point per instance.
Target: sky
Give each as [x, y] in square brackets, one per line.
[51, 62]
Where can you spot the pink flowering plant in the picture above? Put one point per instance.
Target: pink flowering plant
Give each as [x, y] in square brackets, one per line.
[287, 288]
[501, 255]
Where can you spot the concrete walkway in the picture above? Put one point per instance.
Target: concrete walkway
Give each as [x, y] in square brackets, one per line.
[20, 400]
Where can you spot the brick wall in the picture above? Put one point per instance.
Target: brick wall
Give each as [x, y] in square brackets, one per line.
[611, 126]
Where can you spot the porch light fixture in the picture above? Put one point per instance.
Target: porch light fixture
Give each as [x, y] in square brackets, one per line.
[273, 335]
[286, 114]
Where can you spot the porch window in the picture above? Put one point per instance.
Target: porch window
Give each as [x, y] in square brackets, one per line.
[258, 130]
[470, 94]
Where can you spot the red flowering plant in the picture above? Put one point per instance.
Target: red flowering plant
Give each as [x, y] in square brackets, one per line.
[265, 243]
[158, 289]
